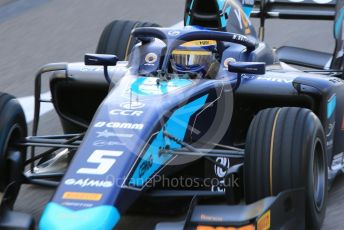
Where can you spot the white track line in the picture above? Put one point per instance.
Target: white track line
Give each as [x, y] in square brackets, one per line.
[28, 106]
[28, 102]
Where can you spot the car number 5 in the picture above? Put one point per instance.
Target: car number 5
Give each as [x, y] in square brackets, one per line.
[105, 160]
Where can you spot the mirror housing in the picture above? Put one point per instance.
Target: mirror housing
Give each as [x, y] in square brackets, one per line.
[240, 68]
[247, 67]
[101, 59]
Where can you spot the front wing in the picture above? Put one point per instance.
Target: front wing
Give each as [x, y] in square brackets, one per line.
[285, 211]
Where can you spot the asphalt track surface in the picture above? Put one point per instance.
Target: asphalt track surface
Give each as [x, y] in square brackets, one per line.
[36, 32]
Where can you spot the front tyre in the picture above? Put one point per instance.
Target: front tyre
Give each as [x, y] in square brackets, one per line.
[13, 128]
[285, 149]
[116, 38]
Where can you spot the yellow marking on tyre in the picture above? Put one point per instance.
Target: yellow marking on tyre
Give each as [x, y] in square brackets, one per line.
[128, 45]
[272, 147]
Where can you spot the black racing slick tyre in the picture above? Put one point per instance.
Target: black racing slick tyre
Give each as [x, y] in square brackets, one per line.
[116, 38]
[285, 149]
[13, 128]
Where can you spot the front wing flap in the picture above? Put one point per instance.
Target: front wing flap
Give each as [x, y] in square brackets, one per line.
[285, 211]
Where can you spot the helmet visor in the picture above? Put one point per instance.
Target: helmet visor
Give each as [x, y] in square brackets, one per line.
[189, 58]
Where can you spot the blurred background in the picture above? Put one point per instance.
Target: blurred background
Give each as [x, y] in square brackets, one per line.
[37, 32]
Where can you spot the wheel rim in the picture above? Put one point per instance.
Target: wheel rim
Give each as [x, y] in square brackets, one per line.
[319, 176]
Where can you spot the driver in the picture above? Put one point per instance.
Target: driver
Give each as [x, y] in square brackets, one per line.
[198, 59]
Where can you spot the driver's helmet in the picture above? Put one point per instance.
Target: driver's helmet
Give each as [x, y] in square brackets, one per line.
[196, 58]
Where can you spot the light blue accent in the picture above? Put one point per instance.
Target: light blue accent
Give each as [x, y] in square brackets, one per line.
[228, 10]
[339, 23]
[57, 217]
[223, 21]
[248, 10]
[331, 106]
[187, 21]
[221, 3]
[147, 86]
[223, 18]
[192, 3]
[176, 125]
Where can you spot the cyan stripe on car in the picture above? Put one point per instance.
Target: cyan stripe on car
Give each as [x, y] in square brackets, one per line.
[177, 125]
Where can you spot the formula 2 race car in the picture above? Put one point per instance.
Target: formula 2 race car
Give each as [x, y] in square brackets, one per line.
[202, 123]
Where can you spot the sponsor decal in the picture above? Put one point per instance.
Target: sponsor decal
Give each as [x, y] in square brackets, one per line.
[248, 2]
[147, 86]
[204, 227]
[88, 183]
[273, 79]
[126, 112]
[91, 69]
[151, 58]
[145, 166]
[108, 134]
[101, 143]
[330, 129]
[248, 77]
[198, 43]
[315, 1]
[79, 205]
[218, 170]
[338, 161]
[118, 125]
[227, 61]
[103, 159]
[132, 105]
[174, 33]
[239, 37]
[82, 196]
[211, 218]
[264, 222]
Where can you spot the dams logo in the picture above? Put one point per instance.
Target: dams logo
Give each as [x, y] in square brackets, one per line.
[264, 221]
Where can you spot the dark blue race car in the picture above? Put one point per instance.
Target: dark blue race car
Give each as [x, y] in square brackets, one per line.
[204, 123]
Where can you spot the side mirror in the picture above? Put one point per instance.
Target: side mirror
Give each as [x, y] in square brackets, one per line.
[102, 60]
[247, 67]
